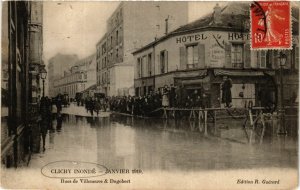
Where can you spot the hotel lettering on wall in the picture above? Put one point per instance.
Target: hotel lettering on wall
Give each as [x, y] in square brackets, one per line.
[191, 38]
[238, 36]
[202, 36]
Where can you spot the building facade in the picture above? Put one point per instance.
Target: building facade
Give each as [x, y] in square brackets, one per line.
[199, 55]
[22, 42]
[78, 78]
[115, 63]
[57, 65]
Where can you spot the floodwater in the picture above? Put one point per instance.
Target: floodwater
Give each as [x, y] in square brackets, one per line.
[157, 144]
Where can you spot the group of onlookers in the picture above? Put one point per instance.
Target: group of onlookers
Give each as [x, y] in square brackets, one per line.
[146, 105]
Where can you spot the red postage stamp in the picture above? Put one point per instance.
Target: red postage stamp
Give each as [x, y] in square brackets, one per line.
[271, 25]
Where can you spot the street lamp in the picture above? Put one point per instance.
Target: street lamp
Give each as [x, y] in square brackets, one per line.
[282, 61]
[43, 73]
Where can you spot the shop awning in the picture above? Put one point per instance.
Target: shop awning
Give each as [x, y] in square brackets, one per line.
[191, 74]
[196, 81]
[245, 73]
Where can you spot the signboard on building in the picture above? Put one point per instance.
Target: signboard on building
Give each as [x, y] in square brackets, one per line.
[217, 56]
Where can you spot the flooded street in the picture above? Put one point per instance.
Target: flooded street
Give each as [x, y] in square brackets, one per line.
[157, 144]
[162, 151]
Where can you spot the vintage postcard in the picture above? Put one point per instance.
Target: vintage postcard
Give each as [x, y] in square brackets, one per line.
[149, 95]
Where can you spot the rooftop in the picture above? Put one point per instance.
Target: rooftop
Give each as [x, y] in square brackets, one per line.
[232, 17]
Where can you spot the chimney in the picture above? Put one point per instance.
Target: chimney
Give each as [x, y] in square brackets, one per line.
[217, 14]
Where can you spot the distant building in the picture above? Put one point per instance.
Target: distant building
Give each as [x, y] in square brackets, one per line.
[78, 78]
[198, 55]
[56, 67]
[132, 25]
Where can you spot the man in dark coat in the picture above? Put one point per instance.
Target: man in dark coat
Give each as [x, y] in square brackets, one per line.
[226, 91]
[59, 103]
[44, 113]
[172, 95]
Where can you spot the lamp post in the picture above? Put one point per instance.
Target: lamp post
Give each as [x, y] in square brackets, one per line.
[43, 73]
[282, 61]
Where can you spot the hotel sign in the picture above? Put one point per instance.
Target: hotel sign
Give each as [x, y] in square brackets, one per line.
[191, 38]
[231, 36]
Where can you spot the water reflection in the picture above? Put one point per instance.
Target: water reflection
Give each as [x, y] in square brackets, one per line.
[158, 144]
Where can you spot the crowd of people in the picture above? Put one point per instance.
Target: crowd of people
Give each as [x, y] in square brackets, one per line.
[147, 105]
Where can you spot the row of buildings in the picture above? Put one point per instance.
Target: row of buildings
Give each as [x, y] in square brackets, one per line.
[138, 55]
[79, 76]
[22, 65]
[126, 31]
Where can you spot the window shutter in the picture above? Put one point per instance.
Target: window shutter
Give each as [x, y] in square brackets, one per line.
[183, 58]
[289, 59]
[297, 58]
[158, 65]
[201, 56]
[120, 36]
[166, 61]
[275, 64]
[263, 59]
[228, 56]
[247, 59]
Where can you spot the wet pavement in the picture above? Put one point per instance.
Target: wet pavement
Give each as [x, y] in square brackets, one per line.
[171, 154]
[168, 145]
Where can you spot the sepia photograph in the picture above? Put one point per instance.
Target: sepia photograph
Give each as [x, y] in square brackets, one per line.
[149, 95]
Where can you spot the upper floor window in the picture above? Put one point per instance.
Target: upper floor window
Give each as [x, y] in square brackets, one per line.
[261, 59]
[163, 61]
[111, 57]
[192, 56]
[117, 37]
[111, 41]
[237, 52]
[149, 64]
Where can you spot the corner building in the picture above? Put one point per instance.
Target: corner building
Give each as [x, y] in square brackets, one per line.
[131, 26]
[198, 55]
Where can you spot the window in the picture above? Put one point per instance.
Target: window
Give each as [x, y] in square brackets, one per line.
[149, 64]
[111, 41]
[192, 56]
[163, 61]
[117, 37]
[261, 59]
[138, 67]
[117, 53]
[137, 91]
[237, 55]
